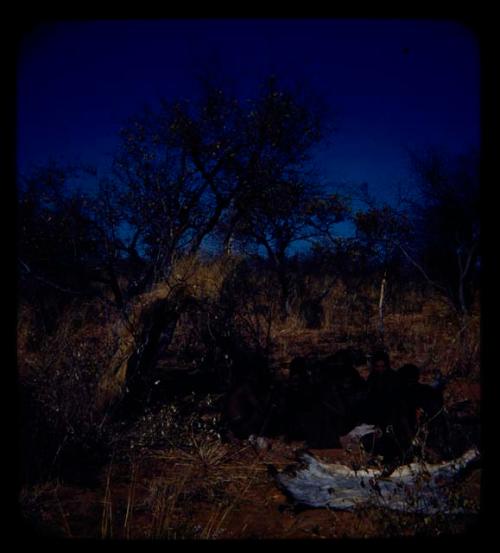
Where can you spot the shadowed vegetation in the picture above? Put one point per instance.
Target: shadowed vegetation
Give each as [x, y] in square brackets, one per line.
[196, 273]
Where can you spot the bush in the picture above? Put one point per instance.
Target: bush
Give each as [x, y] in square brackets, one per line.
[60, 433]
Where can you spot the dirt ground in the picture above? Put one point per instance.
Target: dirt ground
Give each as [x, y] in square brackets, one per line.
[214, 490]
[231, 494]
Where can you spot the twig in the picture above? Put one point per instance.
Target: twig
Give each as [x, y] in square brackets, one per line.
[63, 515]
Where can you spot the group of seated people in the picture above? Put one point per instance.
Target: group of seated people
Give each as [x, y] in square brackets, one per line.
[325, 399]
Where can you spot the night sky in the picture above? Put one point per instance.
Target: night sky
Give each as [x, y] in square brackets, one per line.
[391, 84]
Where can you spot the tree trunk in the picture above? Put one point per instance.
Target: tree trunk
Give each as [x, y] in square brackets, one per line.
[115, 286]
[461, 296]
[381, 302]
[228, 244]
[415, 488]
[125, 384]
[285, 292]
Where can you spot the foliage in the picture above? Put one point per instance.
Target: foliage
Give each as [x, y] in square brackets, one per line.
[447, 223]
[214, 166]
[61, 434]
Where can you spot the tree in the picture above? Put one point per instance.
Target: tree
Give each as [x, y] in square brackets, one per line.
[217, 165]
[437, 232]
[301, 215]
[385, 232]
[447, 225]
[195, 169]
[58, 243]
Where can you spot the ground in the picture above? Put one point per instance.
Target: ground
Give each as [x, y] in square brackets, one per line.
[212, 489]
[228, 494]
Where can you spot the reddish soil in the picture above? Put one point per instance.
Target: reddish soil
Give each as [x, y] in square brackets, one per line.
[226, 490]
[171, 495]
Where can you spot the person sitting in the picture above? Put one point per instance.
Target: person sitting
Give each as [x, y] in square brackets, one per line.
[245, 406]
[424, 406]
[301, 403]
[386, 407]
[342, 390]
[324, 399]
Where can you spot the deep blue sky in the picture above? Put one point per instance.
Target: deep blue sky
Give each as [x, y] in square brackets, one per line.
[392, 84]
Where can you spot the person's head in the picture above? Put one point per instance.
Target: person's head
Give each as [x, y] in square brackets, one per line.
[380, 362]
[409, 373]
[299, 372]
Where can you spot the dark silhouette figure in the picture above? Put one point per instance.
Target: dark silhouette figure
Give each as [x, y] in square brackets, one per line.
[243, 411]
[387, 407]
[325, 398]
[424, 406]
[246, 407]
[402, 406]
[301, 415]
[312, 309]
[342, 390]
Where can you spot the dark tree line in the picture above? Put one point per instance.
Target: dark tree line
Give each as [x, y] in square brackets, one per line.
[436, 233]
[236, 173]
[213, 167]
